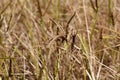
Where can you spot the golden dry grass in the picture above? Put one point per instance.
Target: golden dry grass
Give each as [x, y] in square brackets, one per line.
[59, 39]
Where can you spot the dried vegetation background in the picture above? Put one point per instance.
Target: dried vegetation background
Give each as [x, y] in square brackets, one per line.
[60, 39]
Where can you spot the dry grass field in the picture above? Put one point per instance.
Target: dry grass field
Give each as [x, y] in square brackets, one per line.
[59, 39]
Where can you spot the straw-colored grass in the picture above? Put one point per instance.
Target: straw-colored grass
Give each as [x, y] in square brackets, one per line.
[59, 40]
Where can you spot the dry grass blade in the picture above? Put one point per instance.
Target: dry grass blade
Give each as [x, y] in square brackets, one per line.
[95, 7]
[49, 3]
[5, 8]
[10, 68]
[67, 26]
[9, 22]
[73, 41]
[99, 69]
[58, 25]
[39, 8]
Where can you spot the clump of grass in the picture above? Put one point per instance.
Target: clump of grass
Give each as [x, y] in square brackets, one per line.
[59, 40]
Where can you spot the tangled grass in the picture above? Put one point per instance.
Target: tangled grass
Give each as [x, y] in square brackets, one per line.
[59, 40]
